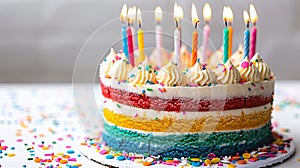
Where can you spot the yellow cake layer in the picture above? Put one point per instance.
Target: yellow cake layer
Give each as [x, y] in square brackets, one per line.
[206, 123]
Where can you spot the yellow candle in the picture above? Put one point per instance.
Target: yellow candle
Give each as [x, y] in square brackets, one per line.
[141, 45]
[140, 37]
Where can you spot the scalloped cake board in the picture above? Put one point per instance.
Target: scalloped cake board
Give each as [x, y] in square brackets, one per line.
[91, 154]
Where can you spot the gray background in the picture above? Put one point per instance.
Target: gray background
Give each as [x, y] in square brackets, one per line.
[40, 39]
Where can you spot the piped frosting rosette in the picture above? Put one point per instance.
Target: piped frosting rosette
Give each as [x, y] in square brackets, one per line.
[227, 73]
[143, 74]
[248, 71]
[263, 68]
[107, 63]
[120, 68]
[170, 75]
[200, 76]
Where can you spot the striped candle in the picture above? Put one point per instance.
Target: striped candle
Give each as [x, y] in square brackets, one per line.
[124, 40]
[225, 44]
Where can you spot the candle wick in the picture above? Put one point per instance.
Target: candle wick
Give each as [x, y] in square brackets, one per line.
[225, 22]
[140, 24]
[176, 23]
[196, 24]
[247, 24]
[207, 22]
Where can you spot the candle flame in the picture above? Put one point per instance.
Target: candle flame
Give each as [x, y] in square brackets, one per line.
[123, 13]
[253, 14]
[207, 12]
[246, 17]
[178, 12]
[230, 14]
[225, 13]
[195, 18]
[139, 16]
[130, 14]
[158, 14]
[134, 14]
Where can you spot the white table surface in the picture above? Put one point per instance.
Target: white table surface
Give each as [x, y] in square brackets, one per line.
[44, 113]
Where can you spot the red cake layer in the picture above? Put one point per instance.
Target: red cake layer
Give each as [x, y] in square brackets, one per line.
[182, 103]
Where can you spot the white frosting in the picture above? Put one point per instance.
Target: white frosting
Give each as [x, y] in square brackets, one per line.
[220, 91]
[120, 69]
[170, 75]
[263, 68]
[248, 71]
[228, 74]
[199, 76]
[188, 115]
[142, 73]
[107, 63]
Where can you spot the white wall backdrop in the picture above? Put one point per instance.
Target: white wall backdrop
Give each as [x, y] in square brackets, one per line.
[40, 39]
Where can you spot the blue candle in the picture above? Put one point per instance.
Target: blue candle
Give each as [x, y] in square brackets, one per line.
[124, 39]
[246, 42]
[246, 34]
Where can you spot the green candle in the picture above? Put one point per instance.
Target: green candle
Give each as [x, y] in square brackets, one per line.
[225, 44]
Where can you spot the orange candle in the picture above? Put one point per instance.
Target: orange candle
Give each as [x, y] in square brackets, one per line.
[195, 21]
[230, 29]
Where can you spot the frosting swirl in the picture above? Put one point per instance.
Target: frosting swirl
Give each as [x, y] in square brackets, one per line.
[248, 71]
[263, 68]
[142, 74]
[227, 73]
[170, 75]
[107, 63]
[199, 76]
[120, 69]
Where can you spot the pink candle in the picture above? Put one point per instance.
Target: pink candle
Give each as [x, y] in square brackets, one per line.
[252, 42]
[130, 46]
[253, 17]
[206, 30]
[206, 33]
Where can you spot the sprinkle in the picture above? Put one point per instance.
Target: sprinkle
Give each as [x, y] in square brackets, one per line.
[183, 113]
[224, 70]
[11, 154]
[132, 76]
[249, 89]
[70, 151]
[262, 88]
[230, 68]
[159, 89]
[119, 106]
[155, 118]
[143, 91]
[245, 64]
[136, 115]
[149, 89]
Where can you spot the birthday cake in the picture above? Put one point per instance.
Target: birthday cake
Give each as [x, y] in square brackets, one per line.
[176, 110]
[179, 114]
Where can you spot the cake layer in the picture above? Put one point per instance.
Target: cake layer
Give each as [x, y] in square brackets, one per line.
[212, 121]
[219, 97]
[193, 145]
[136, 112]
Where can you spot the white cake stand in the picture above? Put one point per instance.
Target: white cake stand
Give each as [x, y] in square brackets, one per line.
[91, 154]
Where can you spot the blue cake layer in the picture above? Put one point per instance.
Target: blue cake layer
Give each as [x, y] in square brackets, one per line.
[187, 145]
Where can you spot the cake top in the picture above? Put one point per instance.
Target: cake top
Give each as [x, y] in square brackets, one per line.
[117, 67]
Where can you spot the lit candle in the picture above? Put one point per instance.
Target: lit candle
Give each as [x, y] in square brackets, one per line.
[158, 36]
[123, 16]
[130, 15]
[206, 30]
[134, 35]
[177, 15]
[195, 21]
[140, 36]
[246, 34]
[225, 35]
[230, 29]
[253, 16]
